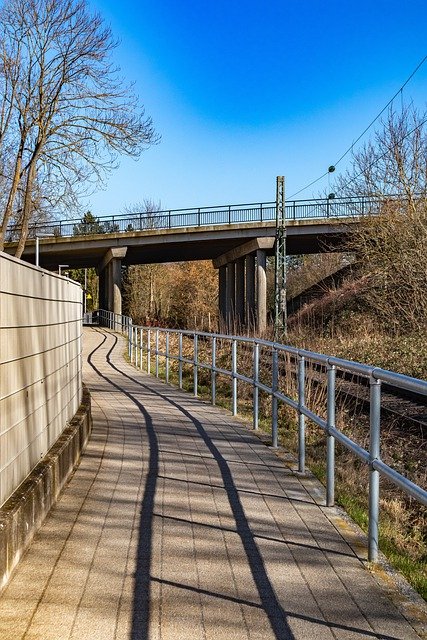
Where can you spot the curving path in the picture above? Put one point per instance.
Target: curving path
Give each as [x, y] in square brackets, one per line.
[180, 524]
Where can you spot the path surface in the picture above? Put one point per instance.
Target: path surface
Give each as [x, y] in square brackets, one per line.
[180, 524]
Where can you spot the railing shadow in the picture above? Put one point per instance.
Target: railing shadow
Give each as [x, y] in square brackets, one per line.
[277, 616]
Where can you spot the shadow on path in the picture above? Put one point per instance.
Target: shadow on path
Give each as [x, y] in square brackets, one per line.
[141, 602]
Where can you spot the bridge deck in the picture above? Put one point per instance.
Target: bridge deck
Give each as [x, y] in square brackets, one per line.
[180, 524]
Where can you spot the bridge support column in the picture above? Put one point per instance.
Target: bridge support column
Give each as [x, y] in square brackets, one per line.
[250, 291]
[240, 293]
[110, 279]
[243, 285]
[231, 295]
[222, 297]
[261, 278]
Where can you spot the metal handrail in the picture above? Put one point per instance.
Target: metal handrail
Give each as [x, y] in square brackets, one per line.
[322, 208]
[137, 345]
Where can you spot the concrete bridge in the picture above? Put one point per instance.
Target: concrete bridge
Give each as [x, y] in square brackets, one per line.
[236, 238]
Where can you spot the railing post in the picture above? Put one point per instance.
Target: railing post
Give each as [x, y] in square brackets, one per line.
[233, 376]
[274, 405]
[180, 361]
[213, 372]
[130, 339]
[198, 217]
[195, 362]
[170, 220]
[141, 341]
[149, 351]
[157, 353]
[229, 214]
[330, 440]
[301, 416]
[374, 476]
[255, 393]
[167, 357]
[260, 218]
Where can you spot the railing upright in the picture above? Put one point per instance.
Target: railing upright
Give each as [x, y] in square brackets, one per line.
[234, 376]
[330, 439]
[374, 476]
[195, 365]
[274, 404]
[213, 372]
[255, 391]
[301, 416]
[180, 360]
[167, 357]
[157, 353]
[141, 345]
[149, 351]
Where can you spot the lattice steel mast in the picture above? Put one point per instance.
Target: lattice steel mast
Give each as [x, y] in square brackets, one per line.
[280, 312]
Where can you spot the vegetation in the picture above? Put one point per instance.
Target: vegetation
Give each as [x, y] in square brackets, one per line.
[378, 315]
[65, 114]
[177, 295]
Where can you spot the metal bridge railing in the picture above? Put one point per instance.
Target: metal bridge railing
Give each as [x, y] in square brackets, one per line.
[246, 362]
[204, 216]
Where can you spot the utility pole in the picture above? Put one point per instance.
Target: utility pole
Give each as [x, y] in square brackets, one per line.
[280, 312]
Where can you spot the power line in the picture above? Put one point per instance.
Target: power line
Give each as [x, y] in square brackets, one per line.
[389, 148]
[383, 109]
[399, 91]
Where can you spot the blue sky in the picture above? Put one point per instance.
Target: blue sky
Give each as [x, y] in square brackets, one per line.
[244, 91]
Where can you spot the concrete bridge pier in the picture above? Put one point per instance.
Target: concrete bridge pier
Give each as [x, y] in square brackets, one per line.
[243, 286]
[110, 280]
[250, 299]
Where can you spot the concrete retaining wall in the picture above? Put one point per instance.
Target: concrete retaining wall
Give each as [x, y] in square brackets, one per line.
[40, 365]
[24, 512]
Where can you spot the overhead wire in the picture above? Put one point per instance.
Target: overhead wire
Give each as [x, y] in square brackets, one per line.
[383, 155]
[350, 148]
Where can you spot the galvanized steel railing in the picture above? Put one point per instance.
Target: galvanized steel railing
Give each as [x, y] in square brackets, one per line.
[146, 341]
[204, 216]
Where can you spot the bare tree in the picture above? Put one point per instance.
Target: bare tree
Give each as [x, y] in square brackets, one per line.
[66, 113]
[393, 163]
[391, 246]
[146, 214]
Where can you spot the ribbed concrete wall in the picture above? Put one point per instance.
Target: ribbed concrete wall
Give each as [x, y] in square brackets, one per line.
[40, 365]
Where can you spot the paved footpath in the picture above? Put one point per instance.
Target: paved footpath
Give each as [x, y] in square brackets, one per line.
[180, 524]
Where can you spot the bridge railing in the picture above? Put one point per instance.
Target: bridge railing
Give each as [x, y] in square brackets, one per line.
[267, 367]
[204, 216]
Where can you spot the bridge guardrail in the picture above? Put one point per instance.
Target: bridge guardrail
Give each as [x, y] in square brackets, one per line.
[146, 340]
[204, 216]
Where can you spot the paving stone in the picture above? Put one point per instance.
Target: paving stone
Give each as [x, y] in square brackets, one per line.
[180, 524]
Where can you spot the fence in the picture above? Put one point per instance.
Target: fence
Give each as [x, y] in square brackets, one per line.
[145, 341]
[40, 365]
[204, 216]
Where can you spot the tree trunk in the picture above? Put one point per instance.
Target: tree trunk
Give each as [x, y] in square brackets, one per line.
[11, 199]
[26, 207]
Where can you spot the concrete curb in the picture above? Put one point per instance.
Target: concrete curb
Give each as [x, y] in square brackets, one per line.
[24, 512]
